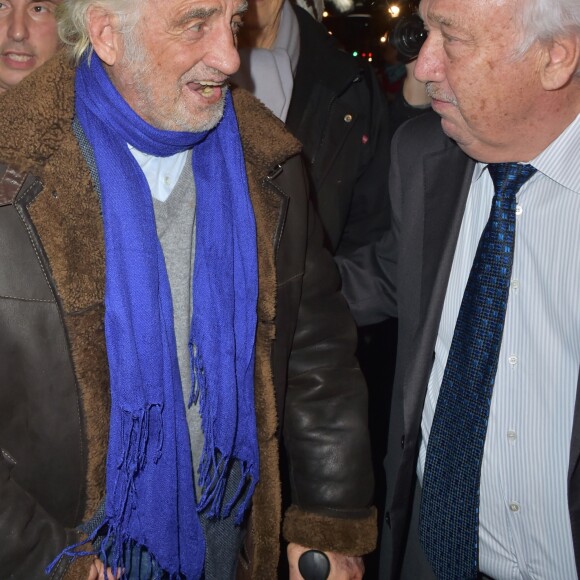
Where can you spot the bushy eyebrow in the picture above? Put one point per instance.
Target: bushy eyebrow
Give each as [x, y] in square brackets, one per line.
[243, 7]
[445, 21]
[442, 20]
[195, 14]
[201, 13]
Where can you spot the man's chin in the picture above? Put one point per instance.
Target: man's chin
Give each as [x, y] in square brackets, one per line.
[9, 79]
[189, 120]
[209, 121]
[197, 115]
[470, 145]
[452, 128]
[209, 118]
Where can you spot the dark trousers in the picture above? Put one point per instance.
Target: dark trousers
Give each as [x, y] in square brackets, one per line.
[415, 564]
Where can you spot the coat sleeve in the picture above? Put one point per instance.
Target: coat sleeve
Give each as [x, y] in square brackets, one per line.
[369, 272]
[369, 280]
[325, 420]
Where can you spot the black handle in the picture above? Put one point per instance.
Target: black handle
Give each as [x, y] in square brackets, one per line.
[314, 565]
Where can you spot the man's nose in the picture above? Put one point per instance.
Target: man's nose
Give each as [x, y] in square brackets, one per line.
[18, 25]
[223, 53]
[428, 67]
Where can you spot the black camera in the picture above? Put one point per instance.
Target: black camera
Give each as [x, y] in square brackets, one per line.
[408, 36]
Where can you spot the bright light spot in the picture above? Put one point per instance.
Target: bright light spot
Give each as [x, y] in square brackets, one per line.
[370, 59]
[330, 32]
[383, 39]
[394, 10]
[355, 53]
[325, 14]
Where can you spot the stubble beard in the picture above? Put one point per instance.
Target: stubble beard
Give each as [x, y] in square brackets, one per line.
[164, 114]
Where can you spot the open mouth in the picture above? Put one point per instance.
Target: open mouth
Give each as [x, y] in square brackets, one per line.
[209, 90]
[18, 59]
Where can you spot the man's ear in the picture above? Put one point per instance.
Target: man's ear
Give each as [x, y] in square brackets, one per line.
[560, 63]
[103, 33]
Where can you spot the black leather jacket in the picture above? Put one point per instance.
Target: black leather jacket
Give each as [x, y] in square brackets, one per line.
[54, 398]
[340, 115]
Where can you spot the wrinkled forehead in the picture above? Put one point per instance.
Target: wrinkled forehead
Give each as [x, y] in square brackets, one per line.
[454, 12]
[178, 10]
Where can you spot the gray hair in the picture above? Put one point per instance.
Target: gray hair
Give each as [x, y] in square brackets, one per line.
[544, 20]
[73, 23]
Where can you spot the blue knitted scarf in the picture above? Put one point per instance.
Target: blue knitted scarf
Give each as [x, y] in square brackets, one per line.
[150, 490]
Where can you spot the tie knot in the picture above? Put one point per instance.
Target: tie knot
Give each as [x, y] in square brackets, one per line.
[509, 177]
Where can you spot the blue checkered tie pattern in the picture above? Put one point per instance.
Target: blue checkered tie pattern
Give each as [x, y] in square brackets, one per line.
[449, 517]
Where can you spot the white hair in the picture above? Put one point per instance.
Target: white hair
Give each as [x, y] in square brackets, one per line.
[73, 23]
[544, 20]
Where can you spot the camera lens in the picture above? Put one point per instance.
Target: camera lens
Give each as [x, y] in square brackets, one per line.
[408, 37]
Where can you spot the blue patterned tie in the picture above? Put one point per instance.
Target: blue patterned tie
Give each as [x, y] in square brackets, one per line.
[449, 518]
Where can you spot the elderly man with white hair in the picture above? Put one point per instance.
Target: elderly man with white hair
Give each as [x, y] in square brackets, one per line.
[483, 460]
[169, 317]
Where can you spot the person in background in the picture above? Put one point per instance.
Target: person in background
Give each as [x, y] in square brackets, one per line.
[481, 267]
[169, 317]
[333, 104]
[28, 38]
[404, 43]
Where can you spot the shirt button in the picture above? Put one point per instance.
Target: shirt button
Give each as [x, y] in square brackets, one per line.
[512, 435]
[513, 359]
[348, 118]
[514, 507]
[519, 209]
[167, 180]
[515, 284]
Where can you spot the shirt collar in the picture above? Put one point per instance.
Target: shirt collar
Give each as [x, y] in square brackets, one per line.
[478, 171]
[559, 161]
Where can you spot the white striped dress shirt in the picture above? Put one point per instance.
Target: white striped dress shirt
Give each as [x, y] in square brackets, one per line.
[524, 520]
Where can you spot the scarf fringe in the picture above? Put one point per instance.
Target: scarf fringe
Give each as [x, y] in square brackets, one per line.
[215, 464]
[111, 544]
[134, 457]
[214, 471]
[71, 552]
[119, 547]
[135, 430]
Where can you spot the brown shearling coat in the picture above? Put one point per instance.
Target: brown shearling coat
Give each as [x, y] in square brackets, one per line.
[54, 394]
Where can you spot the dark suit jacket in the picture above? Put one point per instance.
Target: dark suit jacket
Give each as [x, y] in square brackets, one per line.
[406, 275]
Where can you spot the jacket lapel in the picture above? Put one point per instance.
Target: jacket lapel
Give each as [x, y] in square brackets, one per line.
[447, 178]
[575, 438]
[445, 199]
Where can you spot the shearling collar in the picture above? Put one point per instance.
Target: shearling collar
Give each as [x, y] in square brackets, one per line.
[47, 95]
[37, 115]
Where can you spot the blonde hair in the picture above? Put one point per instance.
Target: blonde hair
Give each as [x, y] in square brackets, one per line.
[73, 24]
